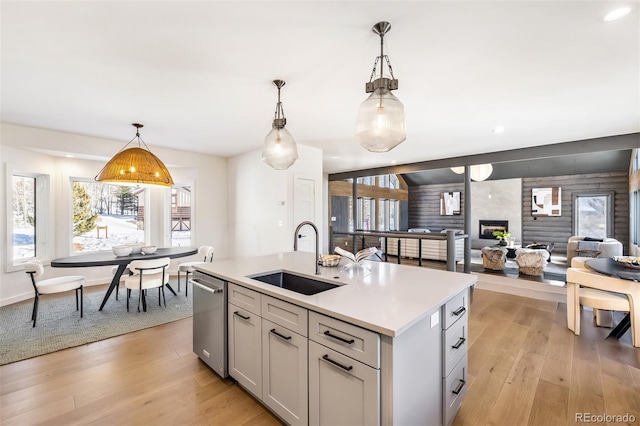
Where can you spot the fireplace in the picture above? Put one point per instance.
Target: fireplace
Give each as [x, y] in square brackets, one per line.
[487, 227]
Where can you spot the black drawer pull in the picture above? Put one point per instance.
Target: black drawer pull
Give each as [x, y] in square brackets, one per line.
[459, 311]
[241, 316]
[460, 343]
[344, 367]
[459, 388]
[273, 331]
[349, 342]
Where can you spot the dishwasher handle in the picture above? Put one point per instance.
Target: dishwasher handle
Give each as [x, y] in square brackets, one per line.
[213, 290]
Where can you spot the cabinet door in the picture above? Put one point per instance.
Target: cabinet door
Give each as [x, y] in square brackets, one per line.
[245, 349]
[342, 391]
[284, 373]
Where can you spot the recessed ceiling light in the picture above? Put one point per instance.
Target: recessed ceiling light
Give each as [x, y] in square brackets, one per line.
[69, 155]
[498, 130]
[617, 14]
[393, 161]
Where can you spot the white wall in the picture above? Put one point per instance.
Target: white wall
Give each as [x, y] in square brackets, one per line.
[39, 151]
[260, 198]
[496, 200]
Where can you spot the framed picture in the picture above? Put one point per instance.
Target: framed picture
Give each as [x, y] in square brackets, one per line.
[449, 203]
[546, 201]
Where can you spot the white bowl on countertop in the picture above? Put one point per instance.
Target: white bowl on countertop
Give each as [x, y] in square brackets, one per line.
[121, 251]
[149, 249]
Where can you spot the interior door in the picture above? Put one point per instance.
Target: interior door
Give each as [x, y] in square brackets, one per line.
[304, 208]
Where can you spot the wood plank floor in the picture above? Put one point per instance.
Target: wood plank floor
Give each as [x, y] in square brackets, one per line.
[525, 367]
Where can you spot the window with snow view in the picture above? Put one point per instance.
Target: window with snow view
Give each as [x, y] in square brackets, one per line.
[107, 215]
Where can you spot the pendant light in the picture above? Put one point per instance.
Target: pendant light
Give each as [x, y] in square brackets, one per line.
[380, 125]
[478, 172]
[135, 165]
[279, 150]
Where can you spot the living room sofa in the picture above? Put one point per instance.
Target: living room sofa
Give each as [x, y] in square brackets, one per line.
[431, 249]
[608, 247]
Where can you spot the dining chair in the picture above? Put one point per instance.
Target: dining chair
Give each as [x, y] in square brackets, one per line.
[603, 318]
[206, 254]
[147, 274]
[126, 272]
[52, 285]
[602, 292]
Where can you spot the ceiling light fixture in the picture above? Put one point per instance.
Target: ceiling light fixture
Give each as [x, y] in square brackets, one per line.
[617, 14]
[380, 125]
[135, 165]
[478, 172]
[280, 149]
[498, 130]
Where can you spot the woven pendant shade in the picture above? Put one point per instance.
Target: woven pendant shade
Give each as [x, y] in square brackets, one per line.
[135, 165]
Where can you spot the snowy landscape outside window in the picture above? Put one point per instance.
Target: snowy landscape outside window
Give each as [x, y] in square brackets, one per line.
[106, 215]
[181, 216]
[24, 218]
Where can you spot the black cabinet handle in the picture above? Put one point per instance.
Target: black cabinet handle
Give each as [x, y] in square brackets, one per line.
[241, 316]
[349, 342]
[459, 388]
[460, 343]
[344, 367]
[459, 311]
[273, 331]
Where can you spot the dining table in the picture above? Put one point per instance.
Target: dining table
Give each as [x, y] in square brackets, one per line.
[107, 258]
[608, 266]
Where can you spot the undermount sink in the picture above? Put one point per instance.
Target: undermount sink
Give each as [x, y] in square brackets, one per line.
[302, 285]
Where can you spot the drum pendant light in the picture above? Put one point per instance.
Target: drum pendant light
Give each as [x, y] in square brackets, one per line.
[135, 165]
[380, 125]
[279, 150]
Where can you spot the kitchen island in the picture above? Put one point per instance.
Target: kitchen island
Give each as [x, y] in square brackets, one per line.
[386, 346]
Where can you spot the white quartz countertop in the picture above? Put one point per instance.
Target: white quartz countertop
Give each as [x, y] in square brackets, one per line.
[388, 300]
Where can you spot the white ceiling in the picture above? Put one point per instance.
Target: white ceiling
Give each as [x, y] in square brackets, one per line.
[198, 74]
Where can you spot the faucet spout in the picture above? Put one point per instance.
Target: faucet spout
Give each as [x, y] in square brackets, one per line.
[295, 242]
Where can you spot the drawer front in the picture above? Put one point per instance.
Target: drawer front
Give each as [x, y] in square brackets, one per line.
[454, 344]
[455, 387]
[455, 308]
[350, 340]
[244, 298]
[285, 314]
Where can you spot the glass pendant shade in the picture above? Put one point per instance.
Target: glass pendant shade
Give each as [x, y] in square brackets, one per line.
[457, 170]
[279, 150]
[481, 172]
[380, 125]
[135, 165]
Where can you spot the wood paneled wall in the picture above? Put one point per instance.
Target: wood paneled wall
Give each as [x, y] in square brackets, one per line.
[424, 207]
[558, 229]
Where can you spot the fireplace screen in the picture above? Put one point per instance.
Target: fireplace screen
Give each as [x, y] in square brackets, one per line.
[488, 227]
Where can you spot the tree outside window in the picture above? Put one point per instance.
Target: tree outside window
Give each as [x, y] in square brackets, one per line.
[24, 217]
[106, 215]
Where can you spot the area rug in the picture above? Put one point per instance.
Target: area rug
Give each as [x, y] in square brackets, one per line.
[59, 325]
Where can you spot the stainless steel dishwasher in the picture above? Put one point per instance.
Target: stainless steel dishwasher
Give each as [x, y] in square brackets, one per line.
[210, 321]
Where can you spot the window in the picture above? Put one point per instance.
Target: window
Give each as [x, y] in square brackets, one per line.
[107, 215]
[28, 199]
[181, 216]
[367, 180]
[593, 214]
[635, 218]
[366, 214]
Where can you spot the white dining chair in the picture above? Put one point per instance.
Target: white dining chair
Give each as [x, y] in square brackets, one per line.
[206, 254]
[147, 274]
[52, 286]
[602, 292]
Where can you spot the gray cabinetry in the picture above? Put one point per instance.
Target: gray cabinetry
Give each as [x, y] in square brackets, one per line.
[344, 373]
[454, 354]
[245, 338]
[284, 360]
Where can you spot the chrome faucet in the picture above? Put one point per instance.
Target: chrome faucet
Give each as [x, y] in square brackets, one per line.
[295, 242]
